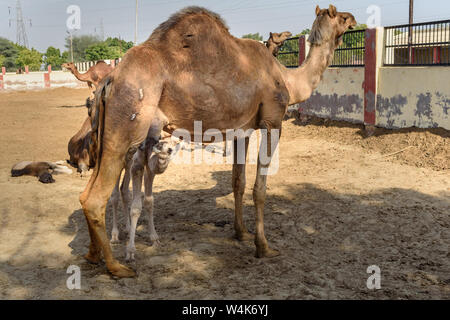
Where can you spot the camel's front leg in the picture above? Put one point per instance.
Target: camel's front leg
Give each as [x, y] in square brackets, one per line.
[259, 191]
[240, 157]
[137, 173]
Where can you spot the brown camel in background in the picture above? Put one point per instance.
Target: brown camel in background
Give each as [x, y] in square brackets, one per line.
[192, 69]
[78, 148]
[93, 76]
[276, 40]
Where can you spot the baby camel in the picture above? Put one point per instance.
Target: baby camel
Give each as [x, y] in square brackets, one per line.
[151, 158]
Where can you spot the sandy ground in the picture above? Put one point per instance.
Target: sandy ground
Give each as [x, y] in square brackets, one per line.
[336, 206]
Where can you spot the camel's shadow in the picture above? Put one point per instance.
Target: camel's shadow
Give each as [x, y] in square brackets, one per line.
[169, 205]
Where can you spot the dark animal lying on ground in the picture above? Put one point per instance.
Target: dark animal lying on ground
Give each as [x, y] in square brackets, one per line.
[42, 170]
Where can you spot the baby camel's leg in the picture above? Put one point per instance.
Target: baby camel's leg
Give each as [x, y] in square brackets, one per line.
[126, 195]
[115, 197]
[137, 172]
[148, 204]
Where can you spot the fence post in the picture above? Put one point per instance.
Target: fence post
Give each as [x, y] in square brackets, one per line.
[112, 62]
[47, 80]
[3, 70]
[49, 68]
[2, 86]
[373, 60]
[26, 70]
[301, 50]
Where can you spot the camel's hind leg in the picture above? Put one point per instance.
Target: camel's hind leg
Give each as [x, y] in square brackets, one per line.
[241, 232]
[94, 205]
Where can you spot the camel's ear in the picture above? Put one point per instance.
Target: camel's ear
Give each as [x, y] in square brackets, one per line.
[270, 36]
[332, 11]
[317, 10]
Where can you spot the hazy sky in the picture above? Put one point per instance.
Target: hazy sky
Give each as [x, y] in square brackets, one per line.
[48, 17]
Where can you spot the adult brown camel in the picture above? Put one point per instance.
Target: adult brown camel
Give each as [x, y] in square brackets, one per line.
[276, 40]
[192, 69]
[93, 76]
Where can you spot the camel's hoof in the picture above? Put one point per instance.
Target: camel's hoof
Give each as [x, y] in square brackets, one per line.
[244, 236]
[129, 257]
[114, 237]
[94, 259]
[154, 240]
[266, 252]
[155, 243]
[121, 271]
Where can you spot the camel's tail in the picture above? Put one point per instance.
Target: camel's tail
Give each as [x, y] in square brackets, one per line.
[98, 120]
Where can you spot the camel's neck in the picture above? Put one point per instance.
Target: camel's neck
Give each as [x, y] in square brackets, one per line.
[78, 75]
[302, 81]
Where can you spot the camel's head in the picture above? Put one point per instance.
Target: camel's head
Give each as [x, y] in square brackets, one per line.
[279, 38]
[46, 177]
[68, 65]
[330, 25]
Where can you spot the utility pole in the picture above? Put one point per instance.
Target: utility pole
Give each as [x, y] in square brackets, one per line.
[136, 24]
[411, 21]
[21, 34]
[102, 30]
[71, 47]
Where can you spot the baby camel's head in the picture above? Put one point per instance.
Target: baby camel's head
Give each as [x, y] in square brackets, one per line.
[167, 147]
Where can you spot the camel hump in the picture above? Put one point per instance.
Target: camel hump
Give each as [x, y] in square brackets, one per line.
[176, 19]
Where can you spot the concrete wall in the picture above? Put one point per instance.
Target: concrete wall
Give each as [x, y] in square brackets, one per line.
[413, 96]
[339, 96]
[390, 97]
[35, 80]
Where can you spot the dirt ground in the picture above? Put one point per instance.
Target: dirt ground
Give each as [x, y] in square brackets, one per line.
[338, 204]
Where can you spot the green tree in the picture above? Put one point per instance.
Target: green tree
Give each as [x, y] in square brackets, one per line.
[65, 56]
[53, 57]
[80, 44]
[304, 32]
[2, 60]
[254, 36]
[101, 51]
[10, 52]
[123, 45]
[31, 58]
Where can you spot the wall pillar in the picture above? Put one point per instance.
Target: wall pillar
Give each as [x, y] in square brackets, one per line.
[49, 68]
[113, 63]
[373, 62]
[26, 70]
[2, 86]
[47, 80]
[301, 50]
[3, 70]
